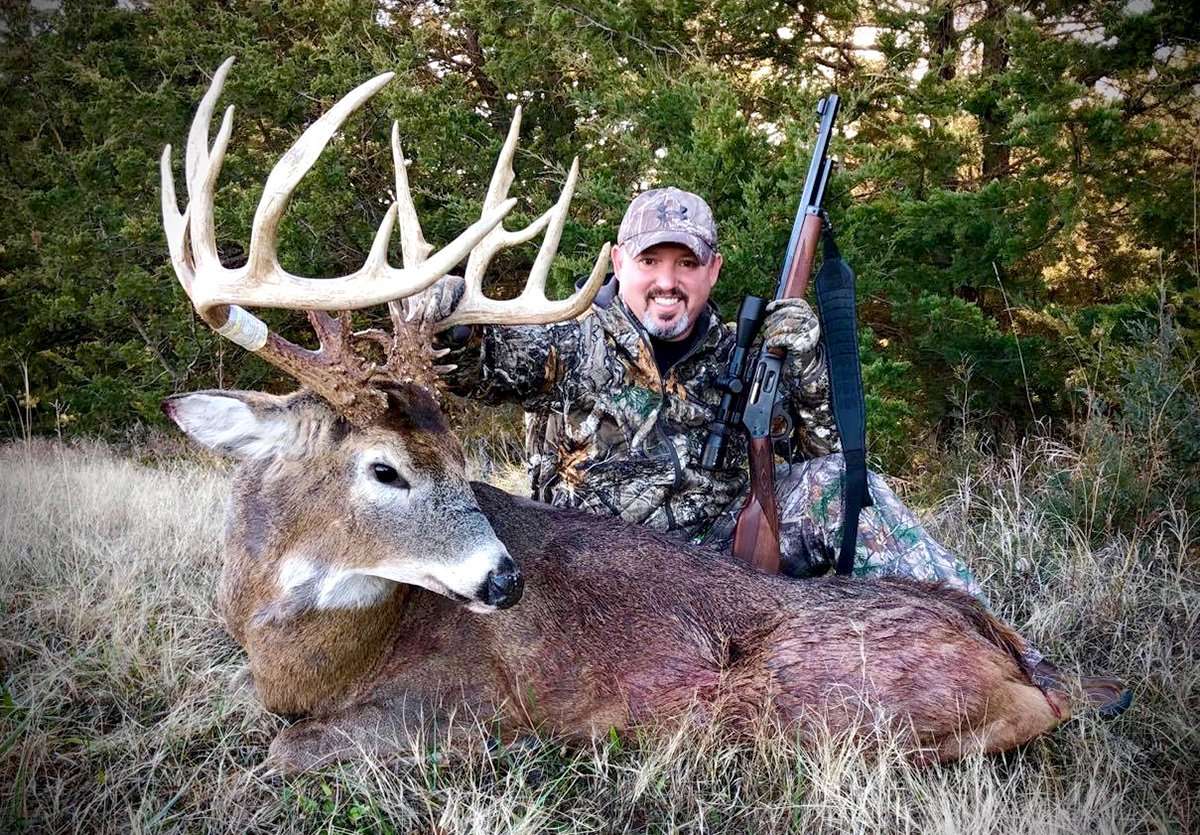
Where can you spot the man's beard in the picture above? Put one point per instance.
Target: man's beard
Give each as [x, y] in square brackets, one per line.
[669, 330]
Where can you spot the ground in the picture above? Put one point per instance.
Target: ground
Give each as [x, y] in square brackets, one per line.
[121, 707]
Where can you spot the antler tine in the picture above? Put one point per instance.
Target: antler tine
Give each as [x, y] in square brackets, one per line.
[502, 174]
[532, 306]
[197, 144]
[291, 168]
[204, 227]
[535, 287]
[175, 224]
[499, 238]
[413, 248]
[202, 168]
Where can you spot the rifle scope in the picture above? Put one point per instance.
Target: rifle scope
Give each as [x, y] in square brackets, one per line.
[749, 319]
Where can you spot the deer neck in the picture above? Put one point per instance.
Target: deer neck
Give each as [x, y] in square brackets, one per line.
[313, 661]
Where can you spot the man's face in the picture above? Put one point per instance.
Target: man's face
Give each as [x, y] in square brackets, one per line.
[666, 287]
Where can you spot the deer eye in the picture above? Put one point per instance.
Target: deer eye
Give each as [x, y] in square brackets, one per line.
[385, 474]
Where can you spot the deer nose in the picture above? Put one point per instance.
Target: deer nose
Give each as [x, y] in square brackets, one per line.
[503, 586]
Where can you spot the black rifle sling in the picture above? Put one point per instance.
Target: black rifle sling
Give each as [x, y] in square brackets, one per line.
[839, 330]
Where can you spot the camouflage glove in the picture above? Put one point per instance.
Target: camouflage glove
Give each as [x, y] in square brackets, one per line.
[792, 325]
[439, 300]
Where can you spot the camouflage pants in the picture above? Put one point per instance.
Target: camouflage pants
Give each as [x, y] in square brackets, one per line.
[891, 541]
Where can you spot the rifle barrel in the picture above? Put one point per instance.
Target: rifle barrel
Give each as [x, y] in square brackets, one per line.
[814, 186]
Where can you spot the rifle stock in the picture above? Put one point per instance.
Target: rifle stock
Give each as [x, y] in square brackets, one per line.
[756, 537]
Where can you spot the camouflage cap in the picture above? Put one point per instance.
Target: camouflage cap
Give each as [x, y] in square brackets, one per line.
[668, 215]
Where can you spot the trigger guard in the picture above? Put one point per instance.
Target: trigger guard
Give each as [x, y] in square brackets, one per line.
[781, 425]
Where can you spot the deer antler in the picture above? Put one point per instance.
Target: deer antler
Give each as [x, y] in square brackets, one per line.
[346, 379]
[531, 306]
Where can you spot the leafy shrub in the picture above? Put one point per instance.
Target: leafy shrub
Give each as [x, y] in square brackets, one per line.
[1139, 434]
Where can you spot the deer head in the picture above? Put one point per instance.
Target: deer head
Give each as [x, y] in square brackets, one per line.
[354, 483]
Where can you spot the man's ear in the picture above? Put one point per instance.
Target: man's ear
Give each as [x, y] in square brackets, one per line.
[242, 424]
[714, 270]
[617, 256]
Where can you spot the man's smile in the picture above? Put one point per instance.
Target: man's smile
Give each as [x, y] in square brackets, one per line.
[667, 302]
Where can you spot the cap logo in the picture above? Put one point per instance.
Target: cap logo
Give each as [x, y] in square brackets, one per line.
[667, 211]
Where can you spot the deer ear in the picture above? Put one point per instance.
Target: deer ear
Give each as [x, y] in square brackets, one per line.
[242, 424]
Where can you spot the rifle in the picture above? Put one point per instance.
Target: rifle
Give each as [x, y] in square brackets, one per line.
[751, 392]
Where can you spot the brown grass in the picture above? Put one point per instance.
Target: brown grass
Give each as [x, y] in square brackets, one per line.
[120, 709]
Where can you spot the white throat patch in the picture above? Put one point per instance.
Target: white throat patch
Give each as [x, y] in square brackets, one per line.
[330, 588]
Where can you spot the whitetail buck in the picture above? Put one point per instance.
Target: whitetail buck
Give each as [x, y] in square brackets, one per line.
[373, 588]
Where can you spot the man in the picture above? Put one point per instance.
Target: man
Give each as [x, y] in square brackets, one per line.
[618, 405]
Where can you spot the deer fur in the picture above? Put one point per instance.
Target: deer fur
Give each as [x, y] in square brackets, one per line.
[360, 607]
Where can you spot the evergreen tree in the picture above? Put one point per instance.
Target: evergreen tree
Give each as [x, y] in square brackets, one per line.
[1018, 181]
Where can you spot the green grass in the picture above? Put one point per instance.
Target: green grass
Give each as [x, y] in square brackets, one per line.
[121, 710]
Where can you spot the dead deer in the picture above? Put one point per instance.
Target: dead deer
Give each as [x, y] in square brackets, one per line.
[374, 588]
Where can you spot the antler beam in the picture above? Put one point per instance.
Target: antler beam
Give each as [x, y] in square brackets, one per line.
[262, 282]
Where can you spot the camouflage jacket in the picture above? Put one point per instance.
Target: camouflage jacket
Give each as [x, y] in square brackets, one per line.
[605, 432]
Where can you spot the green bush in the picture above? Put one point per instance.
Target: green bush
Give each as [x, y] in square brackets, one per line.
[1139, 432]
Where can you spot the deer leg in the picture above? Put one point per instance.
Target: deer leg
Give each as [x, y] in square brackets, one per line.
[379, 731]
[1017, 713]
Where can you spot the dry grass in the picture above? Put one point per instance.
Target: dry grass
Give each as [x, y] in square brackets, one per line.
[120, 710]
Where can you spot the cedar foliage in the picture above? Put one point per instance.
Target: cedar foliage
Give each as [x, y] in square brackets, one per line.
[1018, 191]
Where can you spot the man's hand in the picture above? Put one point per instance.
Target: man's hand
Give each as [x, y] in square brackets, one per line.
[438, 301]
[792, 325]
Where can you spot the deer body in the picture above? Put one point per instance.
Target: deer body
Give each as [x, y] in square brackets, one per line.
[376, 592]
[617, 626]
